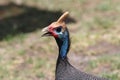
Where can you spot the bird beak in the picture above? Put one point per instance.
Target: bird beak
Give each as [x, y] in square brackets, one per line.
[45, 32]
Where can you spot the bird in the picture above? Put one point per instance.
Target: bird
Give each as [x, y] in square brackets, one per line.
[64, 70]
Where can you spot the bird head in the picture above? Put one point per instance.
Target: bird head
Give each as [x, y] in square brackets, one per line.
[56, 29]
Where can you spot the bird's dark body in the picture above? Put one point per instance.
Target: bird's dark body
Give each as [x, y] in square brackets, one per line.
[65, 71]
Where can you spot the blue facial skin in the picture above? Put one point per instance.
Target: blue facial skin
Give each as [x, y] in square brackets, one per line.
[64, 37]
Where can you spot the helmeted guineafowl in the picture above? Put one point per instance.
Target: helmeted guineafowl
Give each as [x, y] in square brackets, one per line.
[64, 70]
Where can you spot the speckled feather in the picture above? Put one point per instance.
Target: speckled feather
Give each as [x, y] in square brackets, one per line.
[65, 71]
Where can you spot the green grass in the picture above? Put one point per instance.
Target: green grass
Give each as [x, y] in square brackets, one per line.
[109, 63]
[103, 23]
[105, 6]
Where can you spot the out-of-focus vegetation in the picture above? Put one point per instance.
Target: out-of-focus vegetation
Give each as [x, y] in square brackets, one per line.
[95, 36]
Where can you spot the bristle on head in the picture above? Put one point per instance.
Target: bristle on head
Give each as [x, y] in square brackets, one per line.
[63, 17]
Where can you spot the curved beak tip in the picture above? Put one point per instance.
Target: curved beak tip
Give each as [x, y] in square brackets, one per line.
[45, 29]
[46, 32]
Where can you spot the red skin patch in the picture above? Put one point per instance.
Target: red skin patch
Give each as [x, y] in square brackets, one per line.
[51, 29]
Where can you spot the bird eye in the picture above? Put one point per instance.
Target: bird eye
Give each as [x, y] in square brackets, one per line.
[59, 29]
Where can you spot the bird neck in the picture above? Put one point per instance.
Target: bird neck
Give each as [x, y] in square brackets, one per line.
[64, 45]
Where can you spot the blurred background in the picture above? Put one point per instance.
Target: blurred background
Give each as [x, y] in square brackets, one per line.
[95, 35]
